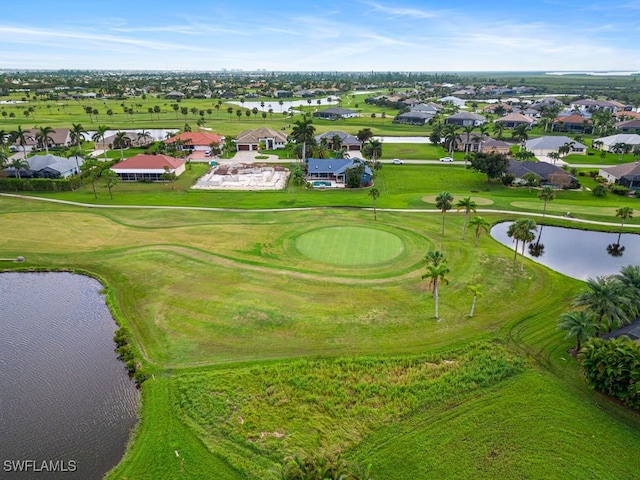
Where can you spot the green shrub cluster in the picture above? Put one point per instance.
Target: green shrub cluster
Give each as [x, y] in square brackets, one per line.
[125, 353]
[40, 184]
[613, 367]
[619, 190]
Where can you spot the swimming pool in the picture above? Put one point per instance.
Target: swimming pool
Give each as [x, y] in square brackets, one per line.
[320, 183]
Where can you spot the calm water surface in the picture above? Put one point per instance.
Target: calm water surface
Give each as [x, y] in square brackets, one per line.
[579, 254]
[64, 394]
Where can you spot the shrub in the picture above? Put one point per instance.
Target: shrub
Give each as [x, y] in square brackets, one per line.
[508, 179]
[619, 190]
[599, 191]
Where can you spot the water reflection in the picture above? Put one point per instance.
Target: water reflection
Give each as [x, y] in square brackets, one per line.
[578, 253]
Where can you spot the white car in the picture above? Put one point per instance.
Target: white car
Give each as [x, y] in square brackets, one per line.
[397, 161]
[446, 159]
[207, 153]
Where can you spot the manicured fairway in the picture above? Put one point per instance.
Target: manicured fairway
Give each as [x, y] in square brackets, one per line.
[350, 245]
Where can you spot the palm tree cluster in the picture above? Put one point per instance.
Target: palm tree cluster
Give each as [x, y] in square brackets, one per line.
[437, 271]
[607, 303]
[522, 231]
[314, 468]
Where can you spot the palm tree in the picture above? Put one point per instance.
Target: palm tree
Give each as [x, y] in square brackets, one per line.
[604, 299]
[625, 213]
[436, 274]
[476, 291]
[373, 150]
[629, 278]
[580, 324]
[364, 135]
[520, 134]
[467, 130]
[18, 164]
[100, 134]
[111, 179]
[374, 193]
[434, 257]
[302, 132]
[20, 136]
[546, 194]
[451, 138]
[468, 206]
[498, 129]
[524, 231]
[481, 225]
[120, 142]
[76, 132]
[443, 202]
[4, 159]
[43, 136]
[76, 153]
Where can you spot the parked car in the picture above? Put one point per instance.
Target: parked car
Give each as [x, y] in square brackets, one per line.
[207, 153]
[397, 161]
[446, 159]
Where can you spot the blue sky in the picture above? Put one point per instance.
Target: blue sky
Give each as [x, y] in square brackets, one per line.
[364, 35]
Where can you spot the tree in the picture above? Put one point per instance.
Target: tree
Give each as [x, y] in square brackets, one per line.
[578, 323]
[520, 134]
[111, 179]
[434, 257]
[76, 132]
[476, 291]
[531, 180]
[121, 141]
[450, 140]
[498, 129]
[43, 137]
[156, 110]
[443, 202]
[168, 176]
[372, 150]
[91, 170]
[468, 206]
[546, 194]
[436, 274]
[523, 231]
[606, 301]
[374, 193]
[303, 133]
[18, 164]
[492, 164]
[555, 156]
[100, 134]
[20, 136]
[481, 225]
[624, 213]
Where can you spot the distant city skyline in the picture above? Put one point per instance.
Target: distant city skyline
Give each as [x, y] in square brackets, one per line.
[364, 35]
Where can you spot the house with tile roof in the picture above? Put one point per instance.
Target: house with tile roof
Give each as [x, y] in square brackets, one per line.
[513, 120]
[195, 141]
[144, 167]
[629, 126]
[549, 174]
[542, 146]
[627, 175]
[271, 139]
[347, 140]
[60, 137]
[491, 145]
[571, 123]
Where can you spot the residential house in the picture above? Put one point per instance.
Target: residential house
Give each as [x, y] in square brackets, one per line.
[571, 123]
[627, 175]
[591, 106]
[271, 139]
[413, 118]
[430, 108]
[174, 96]
[48, 166]
[335, 169]
[496, 146]
[148, 168]
[630, 126]
[60, 137]
[465, 119]
[335, 113]
[549, 174]
[543, 146]
[631, 139]
[632, 331]
[347, 140]
[473, 144]
[458, 102]
[131, 139]
[195, 142]
[513, 120]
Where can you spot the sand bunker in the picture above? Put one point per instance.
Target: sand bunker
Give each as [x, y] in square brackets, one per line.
[243, 176]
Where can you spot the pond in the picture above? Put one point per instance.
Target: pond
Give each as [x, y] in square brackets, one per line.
[65, 399]
[576, 253]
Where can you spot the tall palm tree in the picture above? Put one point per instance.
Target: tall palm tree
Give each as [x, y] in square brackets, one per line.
[481, 225]
[580, 324]
[468, 206]
[120, 142]
[373, 148]
[498, 129]
[443, 202]
[43, 137]
[450, 134]
[436, 274]
[629, 278]
[18, 164]
[20, 136]
[467, 130]
[302, 132]
[625, 213]
[546, 194]
[434, 257]
[476, 291]
[76, 132]
[605, 299]
[100, 135]
[374, 193]
[524, 231]
[520, 134]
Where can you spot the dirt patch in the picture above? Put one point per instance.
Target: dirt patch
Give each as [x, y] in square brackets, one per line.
[244, 176]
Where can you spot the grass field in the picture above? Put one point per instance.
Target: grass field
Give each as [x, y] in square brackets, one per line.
[261, 349]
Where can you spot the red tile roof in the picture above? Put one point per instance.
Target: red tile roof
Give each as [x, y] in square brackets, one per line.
[142, 161]
[575, 118]
[196, 138]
